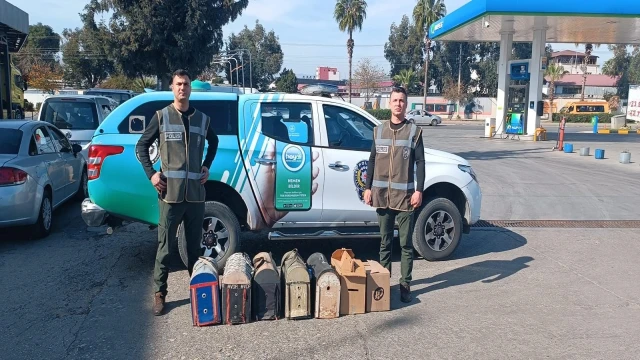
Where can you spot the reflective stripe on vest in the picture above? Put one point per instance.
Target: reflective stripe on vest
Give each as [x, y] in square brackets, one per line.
[394, 185]
[200, 130]
[180, 174]
[166, 126]
[389, 142]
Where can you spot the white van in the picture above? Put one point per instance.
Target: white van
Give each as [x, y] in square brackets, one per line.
[77, 116]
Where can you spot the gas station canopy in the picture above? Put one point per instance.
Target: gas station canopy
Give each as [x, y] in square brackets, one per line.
[585, 21]
[14, 23]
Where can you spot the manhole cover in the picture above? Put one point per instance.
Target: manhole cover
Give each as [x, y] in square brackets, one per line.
[622, 224]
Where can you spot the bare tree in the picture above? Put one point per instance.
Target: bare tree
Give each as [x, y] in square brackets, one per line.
[368, 77]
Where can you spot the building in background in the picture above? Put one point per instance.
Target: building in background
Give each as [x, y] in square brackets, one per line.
[572, 62]
[327, 73]
[596, 86]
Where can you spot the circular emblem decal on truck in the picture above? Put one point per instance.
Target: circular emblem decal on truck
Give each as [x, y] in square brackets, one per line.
[293, 157]
[154, 154]
[360, 178]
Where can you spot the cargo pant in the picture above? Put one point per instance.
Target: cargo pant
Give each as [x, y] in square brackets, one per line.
[171, 215]
[387, 219]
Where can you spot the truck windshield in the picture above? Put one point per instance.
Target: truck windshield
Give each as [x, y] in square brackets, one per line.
[69, 114]
[119, 97]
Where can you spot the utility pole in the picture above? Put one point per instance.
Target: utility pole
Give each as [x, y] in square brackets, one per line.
[426, 70]
[459, 67]
[426, 60]
[459, 77]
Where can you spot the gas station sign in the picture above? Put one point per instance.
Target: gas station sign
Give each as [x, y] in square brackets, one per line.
[633, 104]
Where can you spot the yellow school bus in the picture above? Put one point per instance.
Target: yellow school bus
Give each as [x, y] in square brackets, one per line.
[585, 107]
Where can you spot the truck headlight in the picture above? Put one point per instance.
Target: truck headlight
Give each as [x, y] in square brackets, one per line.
[469, 170]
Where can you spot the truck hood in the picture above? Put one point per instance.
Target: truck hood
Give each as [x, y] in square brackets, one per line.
[437, 156]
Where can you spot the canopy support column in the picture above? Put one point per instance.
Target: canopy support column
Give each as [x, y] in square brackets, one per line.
[506, 46]
[537, 76]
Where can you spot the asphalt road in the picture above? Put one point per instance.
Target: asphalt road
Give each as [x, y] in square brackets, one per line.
[525, 180]
[505, 293]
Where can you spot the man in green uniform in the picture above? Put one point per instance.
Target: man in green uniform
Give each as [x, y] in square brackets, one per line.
[181, 131]
[397, 148]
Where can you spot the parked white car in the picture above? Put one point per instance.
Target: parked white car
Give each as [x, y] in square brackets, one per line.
[424, 117]
[39, 171]
[77, 116]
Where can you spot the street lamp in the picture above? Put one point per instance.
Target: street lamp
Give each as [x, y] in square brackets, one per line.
[236, 69]
[241, 52]
[223, 62]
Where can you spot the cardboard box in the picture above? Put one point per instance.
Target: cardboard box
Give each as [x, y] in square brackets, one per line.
[378, 284]
[353, 281]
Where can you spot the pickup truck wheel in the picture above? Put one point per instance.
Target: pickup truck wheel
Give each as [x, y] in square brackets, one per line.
[437, 230]
[220, 234]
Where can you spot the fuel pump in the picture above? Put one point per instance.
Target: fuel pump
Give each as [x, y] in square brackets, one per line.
[517, 97]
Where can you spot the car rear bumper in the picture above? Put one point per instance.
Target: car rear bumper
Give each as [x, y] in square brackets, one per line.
[20, 204]
[92, 214]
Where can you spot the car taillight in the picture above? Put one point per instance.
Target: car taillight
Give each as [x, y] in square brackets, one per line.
[12, 176]
[97, 154]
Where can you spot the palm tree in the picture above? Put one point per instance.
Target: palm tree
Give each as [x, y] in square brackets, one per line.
[425, 13]
[588, 49]
[350, 15]
[406, 78]
[554, 72]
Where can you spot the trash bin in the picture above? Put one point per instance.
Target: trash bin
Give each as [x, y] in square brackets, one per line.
[625, 157]
[584, 151]
[568, 148]
[599, 153]
[489, 127]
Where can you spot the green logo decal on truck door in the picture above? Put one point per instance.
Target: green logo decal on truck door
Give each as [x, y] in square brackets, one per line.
[293, 177]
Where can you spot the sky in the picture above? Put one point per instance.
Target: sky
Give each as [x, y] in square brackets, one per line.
[308, 34]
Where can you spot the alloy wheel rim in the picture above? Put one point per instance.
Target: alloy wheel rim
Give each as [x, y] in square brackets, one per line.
[439, 230]
[215, 238]
[46, 213]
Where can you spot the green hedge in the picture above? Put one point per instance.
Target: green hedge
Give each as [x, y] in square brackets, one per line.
[381, 114]
[580, 118]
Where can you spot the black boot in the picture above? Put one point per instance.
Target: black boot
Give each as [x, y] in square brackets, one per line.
[405, 293]
[158, 303]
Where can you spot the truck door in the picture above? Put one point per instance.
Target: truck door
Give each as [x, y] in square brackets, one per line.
[277, 140]
[346, 154]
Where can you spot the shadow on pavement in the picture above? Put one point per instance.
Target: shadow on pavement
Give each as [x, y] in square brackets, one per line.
[487, 241]
[502, 154]
[486, 272]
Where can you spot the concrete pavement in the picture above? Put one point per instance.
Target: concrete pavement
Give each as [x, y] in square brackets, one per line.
[527, 180]
[507, 293]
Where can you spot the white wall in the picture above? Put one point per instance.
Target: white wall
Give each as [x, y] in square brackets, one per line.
[34, 96]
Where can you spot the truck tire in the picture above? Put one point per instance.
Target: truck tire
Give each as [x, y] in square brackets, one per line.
[438, 229]
[220, 218]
